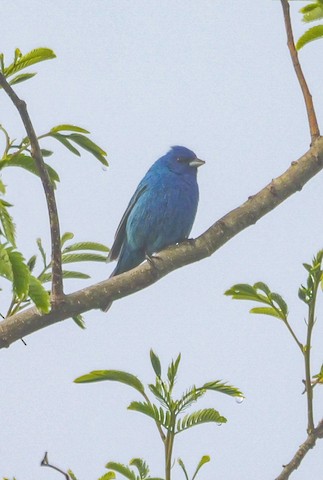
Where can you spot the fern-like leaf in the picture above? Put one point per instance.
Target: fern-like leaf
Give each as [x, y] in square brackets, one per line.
[122, 469]
[197, 418]
[23, 61]
[149, 409]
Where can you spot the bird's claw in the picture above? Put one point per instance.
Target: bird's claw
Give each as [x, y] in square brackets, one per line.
[152, 261]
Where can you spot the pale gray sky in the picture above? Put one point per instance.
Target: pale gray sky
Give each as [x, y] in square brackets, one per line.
[142, 75]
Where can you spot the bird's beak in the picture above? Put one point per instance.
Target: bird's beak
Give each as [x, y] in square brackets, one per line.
[196, 163]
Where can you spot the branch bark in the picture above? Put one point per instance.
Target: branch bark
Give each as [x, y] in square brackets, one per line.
[57, 277]
[301, 452]
[96, 296]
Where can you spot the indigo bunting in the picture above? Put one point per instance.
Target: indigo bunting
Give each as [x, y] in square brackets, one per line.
[161, 212]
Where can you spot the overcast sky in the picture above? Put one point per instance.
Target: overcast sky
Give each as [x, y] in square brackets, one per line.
[143, 75]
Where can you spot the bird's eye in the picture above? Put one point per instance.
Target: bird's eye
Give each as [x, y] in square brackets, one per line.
[181, 160]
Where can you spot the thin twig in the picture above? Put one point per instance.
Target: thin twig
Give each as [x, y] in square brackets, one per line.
[301, 452]
[44, 463]
[307, 359]
[57, 277]
[312, 120]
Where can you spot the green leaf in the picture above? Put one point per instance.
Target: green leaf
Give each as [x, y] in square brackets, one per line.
[78, 319]
[312, 13]
[2, 187]
[32, 262]
[29, 164]
[181, 464]
[7, 224]
[20, 273]
[66, 236]
[310, 35]
[308, 8]
[71, 474]
[206, 415]
[205, 459]
[172, 370]
[22, 61]
[160, 393]
[155, 363]
[90, 146]
[189, 397]
[108, 476]
[78, 275]
[149, 409]
[222, 387]
[280, 302]
[243, 291]
[21, 78]
[112, 375]
[82, 257]
[5, 264]
[39, 295]
[64, 141]
[87, 246]
[122, 469]
[242, 288]
[42, 251]
[141, 466]
[262, 286]
[68, 127]
[266, 311]
[46, 153]
[47, 276]
[2, 62]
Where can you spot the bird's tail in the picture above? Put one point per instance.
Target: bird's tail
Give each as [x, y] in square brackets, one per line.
[108, 306]
[128, 260]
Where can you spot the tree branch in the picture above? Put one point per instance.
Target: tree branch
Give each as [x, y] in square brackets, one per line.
[312, 120]
[96, 296]
[44, 463]
[57, 277]
[301, 452]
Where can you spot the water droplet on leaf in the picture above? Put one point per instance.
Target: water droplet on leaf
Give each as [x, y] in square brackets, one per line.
[239, 399]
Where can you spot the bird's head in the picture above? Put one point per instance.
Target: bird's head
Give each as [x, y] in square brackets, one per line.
[181, 160]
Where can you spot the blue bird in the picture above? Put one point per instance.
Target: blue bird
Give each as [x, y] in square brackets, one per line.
[161, 212]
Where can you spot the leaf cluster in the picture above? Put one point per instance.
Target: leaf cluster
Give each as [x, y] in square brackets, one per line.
[20, 62]
[275, 305]
[312, 12]
[28, 287]
[167, 412]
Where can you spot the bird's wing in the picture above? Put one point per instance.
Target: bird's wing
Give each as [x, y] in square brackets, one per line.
[120, 233]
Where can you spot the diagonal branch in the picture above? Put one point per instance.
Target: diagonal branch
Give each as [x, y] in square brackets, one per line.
[312, 120]
[57, 277]
[301, 452]
[96, 296]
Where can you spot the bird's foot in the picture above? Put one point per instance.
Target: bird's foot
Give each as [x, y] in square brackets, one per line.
[151, 259]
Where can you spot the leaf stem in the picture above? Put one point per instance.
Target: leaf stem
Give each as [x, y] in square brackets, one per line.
[160, 430]
[57, 277]
[291, 331]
